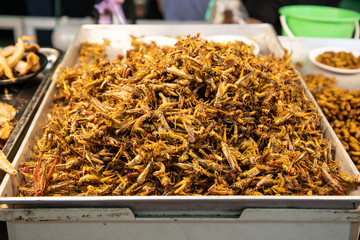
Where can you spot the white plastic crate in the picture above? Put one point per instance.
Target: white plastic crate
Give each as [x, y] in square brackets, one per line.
[121, 223]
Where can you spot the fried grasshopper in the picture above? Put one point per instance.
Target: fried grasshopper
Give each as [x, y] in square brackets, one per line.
[199, 118]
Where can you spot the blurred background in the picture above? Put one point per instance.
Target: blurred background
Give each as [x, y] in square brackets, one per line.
[41, 18]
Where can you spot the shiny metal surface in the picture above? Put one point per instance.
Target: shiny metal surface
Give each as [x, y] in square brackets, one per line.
[265, 36]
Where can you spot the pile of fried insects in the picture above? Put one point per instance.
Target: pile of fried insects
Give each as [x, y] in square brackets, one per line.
[200, 118]
[341, 108]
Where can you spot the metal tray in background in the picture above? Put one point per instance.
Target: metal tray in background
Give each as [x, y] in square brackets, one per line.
[26, 97]
[119, 35]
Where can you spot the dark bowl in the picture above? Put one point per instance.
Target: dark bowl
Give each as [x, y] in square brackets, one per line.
[43, 61]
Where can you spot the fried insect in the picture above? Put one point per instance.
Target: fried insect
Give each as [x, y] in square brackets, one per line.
[340, 59]
[342, 109]
[90, 51]
[199, 118]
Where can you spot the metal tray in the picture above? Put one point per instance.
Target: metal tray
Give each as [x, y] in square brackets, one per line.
[265, 36]
[26, 97]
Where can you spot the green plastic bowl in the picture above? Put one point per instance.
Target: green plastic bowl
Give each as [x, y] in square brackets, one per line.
[318, 21]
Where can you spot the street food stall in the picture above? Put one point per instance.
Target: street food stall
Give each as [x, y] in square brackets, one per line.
[186, 131]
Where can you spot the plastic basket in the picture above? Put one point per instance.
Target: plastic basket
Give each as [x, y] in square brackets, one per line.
[319, 21]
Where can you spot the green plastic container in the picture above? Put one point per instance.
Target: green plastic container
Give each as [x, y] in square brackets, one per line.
[318, 21]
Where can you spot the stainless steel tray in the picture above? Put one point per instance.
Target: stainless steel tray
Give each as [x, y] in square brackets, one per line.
[265, 36]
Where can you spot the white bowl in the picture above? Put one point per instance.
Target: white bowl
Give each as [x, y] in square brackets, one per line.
[233, 38]
[317, 51]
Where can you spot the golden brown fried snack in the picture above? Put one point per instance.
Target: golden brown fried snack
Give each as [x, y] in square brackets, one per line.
[5, 67]
[17, 54]
[340, 59]
[32, 64]
[7, 114]
[6, 165]
[10, 58]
